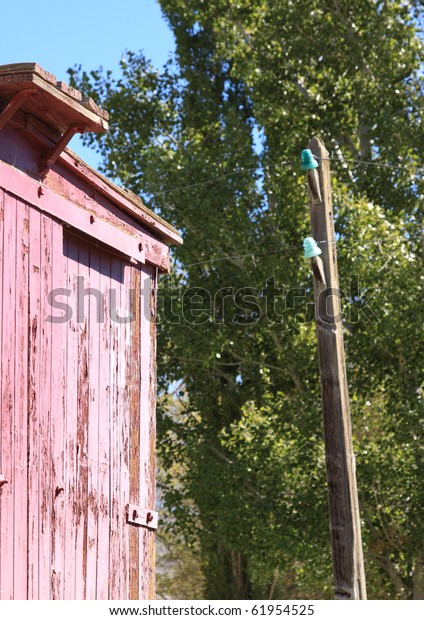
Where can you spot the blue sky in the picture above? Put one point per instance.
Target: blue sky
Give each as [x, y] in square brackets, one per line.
[58, 35]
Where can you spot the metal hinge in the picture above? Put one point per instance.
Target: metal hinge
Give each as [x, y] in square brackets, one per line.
[142, 517]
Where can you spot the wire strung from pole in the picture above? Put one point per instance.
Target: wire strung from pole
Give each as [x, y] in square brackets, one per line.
[418, 168]
[222, 176]
[370, 163]
[293, 249]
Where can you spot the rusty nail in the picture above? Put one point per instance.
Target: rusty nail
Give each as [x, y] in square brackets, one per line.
[149, 517]
[92, 220]
[140, 247]
[135, 514]
[40, 191]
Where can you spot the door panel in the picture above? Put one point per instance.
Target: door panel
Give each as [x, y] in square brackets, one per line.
[77, 413]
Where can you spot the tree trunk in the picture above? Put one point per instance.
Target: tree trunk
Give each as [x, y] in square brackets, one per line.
[387, 565]
[226, 575]
[418, 591]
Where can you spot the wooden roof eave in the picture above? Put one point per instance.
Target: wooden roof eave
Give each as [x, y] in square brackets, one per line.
[30, 90]
[56, 103]
[127, 202]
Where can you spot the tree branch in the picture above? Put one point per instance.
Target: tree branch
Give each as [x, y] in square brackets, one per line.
[389, 568]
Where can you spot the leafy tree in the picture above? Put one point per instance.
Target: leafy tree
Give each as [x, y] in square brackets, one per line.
[212, 143]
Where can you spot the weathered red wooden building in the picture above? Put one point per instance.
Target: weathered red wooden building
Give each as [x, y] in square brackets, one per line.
[79, 261]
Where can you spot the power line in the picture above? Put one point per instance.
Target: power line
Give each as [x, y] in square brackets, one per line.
[222, 176]
[371, 163]
[292, 248]
[418, 168]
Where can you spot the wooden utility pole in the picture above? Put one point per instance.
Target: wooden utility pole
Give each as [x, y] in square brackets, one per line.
[348, 564]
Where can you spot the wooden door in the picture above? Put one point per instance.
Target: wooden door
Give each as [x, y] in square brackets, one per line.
[77, 414]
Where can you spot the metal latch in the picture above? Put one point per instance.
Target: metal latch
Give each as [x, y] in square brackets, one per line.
[142, 516]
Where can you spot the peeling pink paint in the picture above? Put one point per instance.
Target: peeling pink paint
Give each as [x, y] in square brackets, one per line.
[77, 414]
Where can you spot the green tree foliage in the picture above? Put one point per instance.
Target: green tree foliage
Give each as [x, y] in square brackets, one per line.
[212, 142]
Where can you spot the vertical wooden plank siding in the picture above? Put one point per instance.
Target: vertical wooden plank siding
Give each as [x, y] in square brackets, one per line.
[82, 430]
[115, 461]
[2, 261]
[134, 383]
[59, 530]
[71, 387]
[33, 405]
[103, 566]
[44, 413]
[144, 414]
[77, 414]
[95, 311]
[151, 472]
[8, 399]
[20, 487]
[125, 325]
[142, 381]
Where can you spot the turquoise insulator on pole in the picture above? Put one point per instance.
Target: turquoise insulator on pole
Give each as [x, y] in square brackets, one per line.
[308, 160]
[310, 248]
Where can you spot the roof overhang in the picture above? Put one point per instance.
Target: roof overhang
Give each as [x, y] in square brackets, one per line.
[28, 91]
[54, 102]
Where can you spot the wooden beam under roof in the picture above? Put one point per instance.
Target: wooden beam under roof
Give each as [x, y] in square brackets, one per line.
[56, 103]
